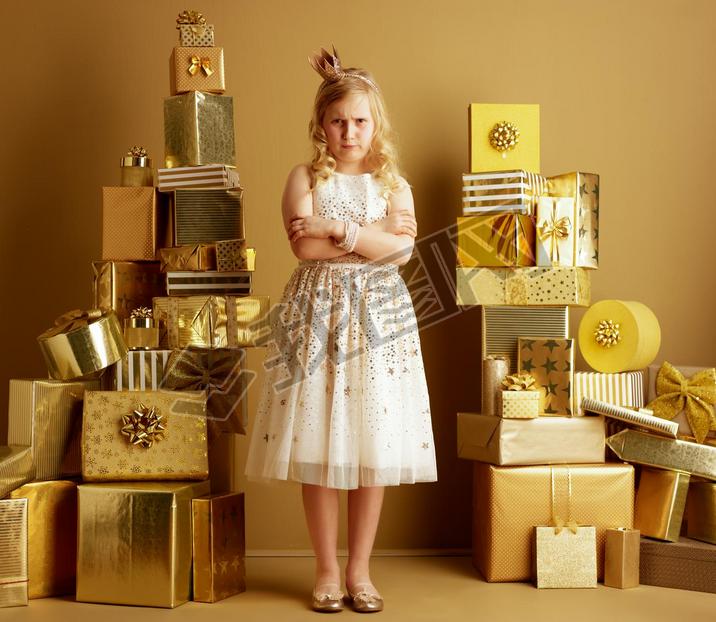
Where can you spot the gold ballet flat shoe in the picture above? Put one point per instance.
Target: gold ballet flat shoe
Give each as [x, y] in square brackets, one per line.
[327, 600]
[365, 599]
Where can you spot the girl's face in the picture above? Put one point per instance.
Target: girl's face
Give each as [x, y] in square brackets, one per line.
[349, 128]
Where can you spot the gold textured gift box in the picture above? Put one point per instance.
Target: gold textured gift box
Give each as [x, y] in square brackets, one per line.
[198, 257]
[551, 362]
[501, 191]
[139, 370]
[126, 285]
[219, 546]
[523, 286]
[13, 553]
[121, 439]
[624, 389]
[233, 255]
[196, 35]
[509, 501]
[199, 129]
[495, 240]
[684, 565]
[524, 118]
[136, 169]
[545, 440]
[621, 558]
[214, 321]
[518, 404]
[660, 503]
[52, 536]
[701, 508]
[134, 542]
[141, 332]
[197, 69]
[133, 223]
[206, 215]
[565, 559]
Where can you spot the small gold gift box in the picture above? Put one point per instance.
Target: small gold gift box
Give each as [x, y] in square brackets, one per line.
[136, 168]
[519, 398]
[621, 558]
[233, 255]
[701, 504]
[660, 503]
[197, 69]
[140, 330]
[193, 30]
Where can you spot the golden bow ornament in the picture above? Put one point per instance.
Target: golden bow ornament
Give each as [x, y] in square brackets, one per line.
[519, 382]
[190, 17]
[560, 523]
[203, 64]
[695, 396]
[555, 230]
[143, 426]
[72, 320]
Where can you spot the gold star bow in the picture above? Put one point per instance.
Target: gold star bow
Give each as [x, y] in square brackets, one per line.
[143, 427]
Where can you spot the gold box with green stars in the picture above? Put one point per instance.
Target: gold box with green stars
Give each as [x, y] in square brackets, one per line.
[551, 362]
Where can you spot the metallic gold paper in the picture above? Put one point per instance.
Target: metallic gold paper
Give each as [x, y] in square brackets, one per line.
[233, 255]
[52, 536]
[199, 129]
[509, 501]
[136, 168]
[82, 343]
[190, 257]
[665, 453]
[625, 389]
[494, 370]
[205, 216]
[684, 565]
[523, 286]
[551, 362]
[219, 546]
[134, 542]
[197, 69]
[545, 440]
[206, 176]
[196, 35]
[564, 559]
[214, 321]
[495, 240]
[182, 454]
[501, 191]
[518, 404]
[16, 467]
[701, 504]
[141, 338]
[126, 285]
[13, 552]
[660, 503]
[133, 223]
[138, 371]
[621, 558]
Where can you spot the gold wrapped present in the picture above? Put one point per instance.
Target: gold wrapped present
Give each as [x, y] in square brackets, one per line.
[551, 362]
[501, 191]
[660, 503]
[504, 136]
[52, 536]
[199, 129]
[619, 335]
[205, 216]
[126, 285]
[209, 283]
[194, 31]
[684, 565]
[191, 257]
[206, 176]
[133, 224]
[136, 168]
[502, 326]
[42, 416]
[523, 286]
[214, 321]
[16, 467]
[140, 370]
[494, 370]
[495, 240]
[621, 558]
[701, 508]
[13, 545]
[144, 435]
[665, 453]
[82, 343]
[518, 404]
[219, 546]
[134, 542]
[556, 236]
[221, 372]
[197, 69]
[545, 440]
[141, 332]
[625, 389]
[233, 255]
[509, 501]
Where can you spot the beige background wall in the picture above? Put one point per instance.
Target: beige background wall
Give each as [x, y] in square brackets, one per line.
[626, 90]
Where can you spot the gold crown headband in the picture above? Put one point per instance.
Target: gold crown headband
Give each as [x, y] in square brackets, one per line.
[329, 68]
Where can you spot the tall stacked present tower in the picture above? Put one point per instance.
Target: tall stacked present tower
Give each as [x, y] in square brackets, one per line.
[145, 382]
[547, 506]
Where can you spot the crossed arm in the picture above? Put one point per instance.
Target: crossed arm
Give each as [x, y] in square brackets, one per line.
[389, 240]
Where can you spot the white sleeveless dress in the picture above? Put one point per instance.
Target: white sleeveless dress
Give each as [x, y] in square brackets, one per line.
[344, 402]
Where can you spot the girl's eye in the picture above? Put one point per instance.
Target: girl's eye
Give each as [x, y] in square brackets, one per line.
[361, 120]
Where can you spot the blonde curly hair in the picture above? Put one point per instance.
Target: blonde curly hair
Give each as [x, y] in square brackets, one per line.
[382, 155]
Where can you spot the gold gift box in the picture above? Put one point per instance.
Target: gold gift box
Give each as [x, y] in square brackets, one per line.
[214, 321]
[551, 362]
[206, 215]
[199, 129]
[126, 285]
[501, 191]
[545, 440]
[556, 232]
[190, 257]
[621, 558]
[133, 223]
[660, 503]
[509, 501]
[206, 176]
[197, 69]
[209, 283]
[518, 404]
[16, 467]
[111, 447]
[233, 255]
[701, 509]
[495, 240]
[563, 559]
[13, 545]
[196, 35]
[52, 536]
[139, 370]
[134, 542]
[141, 337]
[624, 389]
[136, 171]
[684, 565]
[494, 370]
[219, 546]
[523, 286]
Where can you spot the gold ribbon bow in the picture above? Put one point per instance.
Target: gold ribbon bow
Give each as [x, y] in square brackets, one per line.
[555, 230]
[560, 523]
[607, 333]
[72, 320]
[557, 521]
[519, 382]
[142, 312]
[190, 18]
[196, 63]
[143, 427]
[696, 396]
[137, 152]
[504, 137]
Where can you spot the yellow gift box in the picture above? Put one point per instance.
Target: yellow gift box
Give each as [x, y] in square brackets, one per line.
[193, 29]
[551, 362]
[126, 285]
[660, 503]
[197, 69]
[495, 240]
[13, 544]
[701, 509]
[504, 136]
[134, 542]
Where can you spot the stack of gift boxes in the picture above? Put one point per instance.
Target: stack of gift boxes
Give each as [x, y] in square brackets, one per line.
[144, 384]
[549, 504]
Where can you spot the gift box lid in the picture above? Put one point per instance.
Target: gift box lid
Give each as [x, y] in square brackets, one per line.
[685, 548]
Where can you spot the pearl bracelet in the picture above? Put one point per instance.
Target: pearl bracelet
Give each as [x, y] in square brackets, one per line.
[348, 243]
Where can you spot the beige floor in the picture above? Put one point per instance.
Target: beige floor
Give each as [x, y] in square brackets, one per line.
[415, 589]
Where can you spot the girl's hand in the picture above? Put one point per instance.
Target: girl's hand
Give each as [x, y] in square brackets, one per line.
[400, 222]
[311, 227]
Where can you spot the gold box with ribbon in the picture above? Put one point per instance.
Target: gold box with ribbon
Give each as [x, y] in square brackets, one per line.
[556, 237]
[190, 257]
[660, 503]
[126, 285]
[233, 255]
[13, 544]
[144, 435]
[197, 69]
[193, 30]
[551, 362]
[495, 240]
[135, 171]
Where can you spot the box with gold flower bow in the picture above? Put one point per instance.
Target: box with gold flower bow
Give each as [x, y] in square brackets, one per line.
[144, 435]
[197, 69]
[495, 240]
[193, 30]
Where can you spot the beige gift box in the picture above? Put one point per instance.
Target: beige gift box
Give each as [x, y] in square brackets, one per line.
[197, 69]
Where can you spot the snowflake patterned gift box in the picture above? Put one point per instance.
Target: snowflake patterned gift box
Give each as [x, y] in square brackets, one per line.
[144, 435]
[551, 362]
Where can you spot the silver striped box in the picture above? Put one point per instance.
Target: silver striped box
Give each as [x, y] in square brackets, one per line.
[501, 191]
[209, 283]
[205, 216]
[207, 176]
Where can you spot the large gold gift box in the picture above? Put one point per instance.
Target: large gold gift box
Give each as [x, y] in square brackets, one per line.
[203, 216]
[144, 435]
[197, 69]
[126, 285]
[219, 546]
[509, 501]
[13, 550]
[16, 467]
[545, 440]
[701, 509]
[660, 503]
[52, 536]
[495, 240]
[523, 286]
[199, 129]
[214, 321]
[551, 362]
[134, 542]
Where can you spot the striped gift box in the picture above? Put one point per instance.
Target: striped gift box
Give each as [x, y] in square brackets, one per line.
[209, 283]
[205, 216]
[140, 370]
[501, 191]
[625, 389]
[207, 176]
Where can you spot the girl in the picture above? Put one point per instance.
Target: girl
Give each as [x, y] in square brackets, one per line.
[345, 403]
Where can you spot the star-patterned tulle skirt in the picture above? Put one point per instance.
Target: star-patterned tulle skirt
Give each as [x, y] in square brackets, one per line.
[344, 401]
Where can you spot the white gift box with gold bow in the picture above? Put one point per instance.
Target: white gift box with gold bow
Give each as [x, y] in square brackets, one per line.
[555, 239]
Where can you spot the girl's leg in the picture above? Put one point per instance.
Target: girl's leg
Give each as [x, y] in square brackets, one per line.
[321, 507]
[364, 505]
